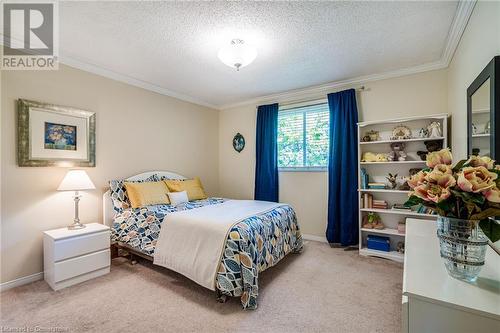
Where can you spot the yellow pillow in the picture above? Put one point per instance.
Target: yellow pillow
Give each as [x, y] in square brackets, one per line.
[147, 193]
[193, 187]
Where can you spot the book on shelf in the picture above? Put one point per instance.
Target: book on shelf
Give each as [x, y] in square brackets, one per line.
[401, 207]
[425, 210]
[367, 200]
[364, 179]
[377, 186]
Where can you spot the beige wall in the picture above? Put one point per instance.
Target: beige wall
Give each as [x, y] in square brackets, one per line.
[419, 94]
[137, 130]
[479, 44]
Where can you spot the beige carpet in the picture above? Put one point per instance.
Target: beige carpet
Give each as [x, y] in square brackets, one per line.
[320, 290]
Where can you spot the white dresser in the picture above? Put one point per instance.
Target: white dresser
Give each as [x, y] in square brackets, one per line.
[435, 302]
[74, 256]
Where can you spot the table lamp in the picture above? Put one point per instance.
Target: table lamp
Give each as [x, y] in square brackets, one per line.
[76, 180]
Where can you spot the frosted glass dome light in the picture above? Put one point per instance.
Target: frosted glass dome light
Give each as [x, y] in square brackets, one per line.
[237, 54]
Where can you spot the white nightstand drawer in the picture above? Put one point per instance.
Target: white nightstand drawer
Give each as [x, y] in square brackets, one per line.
[76, 246]
[73, 267]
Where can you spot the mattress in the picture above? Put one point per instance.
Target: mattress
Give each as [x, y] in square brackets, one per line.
[253, 245]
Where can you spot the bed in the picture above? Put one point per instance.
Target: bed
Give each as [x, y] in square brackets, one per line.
[252, 244]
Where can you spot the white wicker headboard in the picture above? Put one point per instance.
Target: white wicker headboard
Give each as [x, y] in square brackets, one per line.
[107, 204]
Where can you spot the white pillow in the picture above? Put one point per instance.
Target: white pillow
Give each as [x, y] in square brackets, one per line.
[177, 198]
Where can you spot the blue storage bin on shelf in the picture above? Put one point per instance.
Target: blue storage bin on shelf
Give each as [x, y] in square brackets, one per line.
[379, 243]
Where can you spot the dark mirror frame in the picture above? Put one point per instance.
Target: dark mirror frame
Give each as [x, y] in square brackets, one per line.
[492, 72]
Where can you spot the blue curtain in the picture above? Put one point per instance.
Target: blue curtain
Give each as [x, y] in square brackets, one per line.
[266, 168]
[342, 169]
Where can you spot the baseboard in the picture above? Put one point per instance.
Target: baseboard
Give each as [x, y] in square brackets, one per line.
[315, 238]
[21, 281]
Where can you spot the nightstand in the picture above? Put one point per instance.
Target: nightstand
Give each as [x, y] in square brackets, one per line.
[74, 256]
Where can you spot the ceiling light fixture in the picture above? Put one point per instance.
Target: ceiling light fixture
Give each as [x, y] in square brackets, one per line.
[237, 54]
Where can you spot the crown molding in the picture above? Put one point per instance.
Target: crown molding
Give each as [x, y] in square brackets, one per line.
[316, 91]
[462, 15]
[85, 66]
[460, 21]
[94, 69]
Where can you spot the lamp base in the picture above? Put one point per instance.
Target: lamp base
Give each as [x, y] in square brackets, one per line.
[76, 226]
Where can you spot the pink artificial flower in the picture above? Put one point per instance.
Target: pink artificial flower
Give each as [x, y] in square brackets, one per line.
[439, 157]
[443, 168]
[432, 192]
[417, 179]
[484, 161]
[492, 195]
[442, 179]
[476, 179]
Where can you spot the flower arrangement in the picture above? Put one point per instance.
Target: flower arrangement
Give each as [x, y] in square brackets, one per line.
[470, 190]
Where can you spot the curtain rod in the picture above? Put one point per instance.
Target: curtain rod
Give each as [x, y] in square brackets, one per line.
[298, 103]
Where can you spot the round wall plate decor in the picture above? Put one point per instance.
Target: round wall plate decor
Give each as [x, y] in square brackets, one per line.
[238, 142]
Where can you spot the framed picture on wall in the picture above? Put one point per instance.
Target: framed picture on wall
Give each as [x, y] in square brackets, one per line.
[53, 135]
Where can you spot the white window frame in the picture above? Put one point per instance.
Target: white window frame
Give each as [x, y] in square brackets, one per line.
[289, 107]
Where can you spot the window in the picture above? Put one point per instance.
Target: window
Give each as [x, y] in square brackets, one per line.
[303, 137]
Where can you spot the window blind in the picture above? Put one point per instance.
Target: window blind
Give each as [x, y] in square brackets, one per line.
[303, 136]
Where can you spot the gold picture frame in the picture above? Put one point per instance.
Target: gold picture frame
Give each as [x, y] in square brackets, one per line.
[54, 135]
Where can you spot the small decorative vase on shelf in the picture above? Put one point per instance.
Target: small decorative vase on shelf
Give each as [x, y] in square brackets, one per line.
[463, 247]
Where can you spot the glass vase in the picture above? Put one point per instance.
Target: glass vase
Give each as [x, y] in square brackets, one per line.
[462, 246]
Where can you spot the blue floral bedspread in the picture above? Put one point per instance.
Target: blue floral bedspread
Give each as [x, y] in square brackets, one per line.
[253, 245]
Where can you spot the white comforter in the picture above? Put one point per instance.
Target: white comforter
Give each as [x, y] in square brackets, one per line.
[191, 241]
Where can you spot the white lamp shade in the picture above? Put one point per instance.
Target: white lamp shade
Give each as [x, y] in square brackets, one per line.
[76, 180]
[237, 54]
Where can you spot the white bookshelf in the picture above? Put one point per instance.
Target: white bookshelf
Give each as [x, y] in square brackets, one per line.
[377, 172]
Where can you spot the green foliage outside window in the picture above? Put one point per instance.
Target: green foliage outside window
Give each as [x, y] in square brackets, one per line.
[303, 137]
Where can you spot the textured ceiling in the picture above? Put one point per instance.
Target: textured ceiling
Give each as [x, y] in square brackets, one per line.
[174, 45]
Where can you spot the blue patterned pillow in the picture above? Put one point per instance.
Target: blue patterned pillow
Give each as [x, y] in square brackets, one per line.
[119, 194]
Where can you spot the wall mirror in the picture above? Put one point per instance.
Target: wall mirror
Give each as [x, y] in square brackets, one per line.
[483, 118]
[483, 111]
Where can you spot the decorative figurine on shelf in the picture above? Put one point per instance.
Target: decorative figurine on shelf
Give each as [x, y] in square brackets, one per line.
[400, 247]
[431, 145]
[422, 154]
[401, 132]
[366, 138]
[487, 127]
[372, 221]
[373, 157]
[393, 180]
[398, 152]
[404, 186]
[434, 130]
[474, 129]
[423, 133]
[373, 135]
